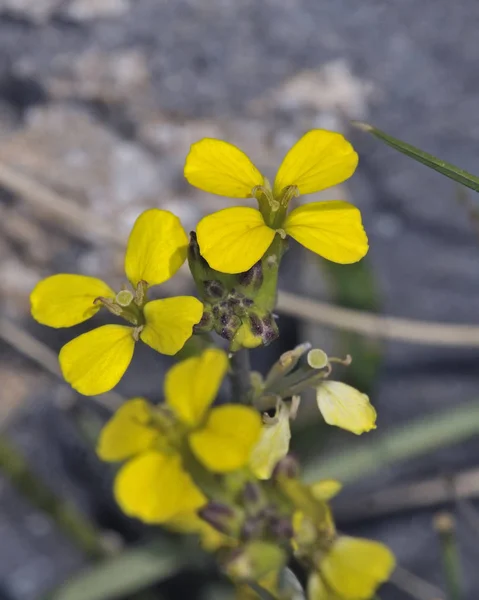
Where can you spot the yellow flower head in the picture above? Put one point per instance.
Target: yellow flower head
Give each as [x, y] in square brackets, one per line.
[154, 485]
[234, 239]
[95, 362]
[352, 569]
[344, 406]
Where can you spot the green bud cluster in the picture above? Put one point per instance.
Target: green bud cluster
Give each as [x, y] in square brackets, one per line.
[231, 307]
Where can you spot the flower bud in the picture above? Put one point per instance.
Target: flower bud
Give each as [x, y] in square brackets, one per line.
[214, 290]
[252, 279]
[225, 519]
[254, 560]
[287, 467]
[206, 323]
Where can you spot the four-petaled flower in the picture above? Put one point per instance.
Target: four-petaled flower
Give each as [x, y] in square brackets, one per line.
[155, 485]
[233, 239]
[95, 362]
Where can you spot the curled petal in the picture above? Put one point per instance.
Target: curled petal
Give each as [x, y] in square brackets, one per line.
[192, 384]
[155, 488]
[272, 446]
[319, 160]
[169, 323]
[342, 405]
[156, 247]
[94, 362]
[332, 229]
[65, 300]
[129, 432]
[225, 442]
[232, 240]
[220, 168]
[354, 567]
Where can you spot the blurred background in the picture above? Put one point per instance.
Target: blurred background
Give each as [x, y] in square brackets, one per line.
[99, 103]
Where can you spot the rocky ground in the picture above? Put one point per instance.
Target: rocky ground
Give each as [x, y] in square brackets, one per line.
[99, 102]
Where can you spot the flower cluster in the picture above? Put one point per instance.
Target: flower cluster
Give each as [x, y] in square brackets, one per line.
[223, 470]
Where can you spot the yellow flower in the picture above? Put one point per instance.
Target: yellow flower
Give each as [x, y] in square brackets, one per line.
[273, 444]
[352, 570]
[154, 485]
[234, 239]
[342, 405]
[95, 362]
[190, 523]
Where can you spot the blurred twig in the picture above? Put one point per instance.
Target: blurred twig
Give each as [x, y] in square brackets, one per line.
[28, 345]
[415, 586]
[70, 215]
[418, 437]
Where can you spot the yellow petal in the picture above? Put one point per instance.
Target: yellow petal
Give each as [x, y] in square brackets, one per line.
[354, 567]
[326, 489]
[95, 362]
[128, 432]
[156, 247]
[191, 385]
[342, 405]
[154, 488]
[273, 445]
[225, 442]
[169, 323]
[318, 590]
[65, 300]
[232, 240]
[221, 168]
[319, 160]
[332, 229]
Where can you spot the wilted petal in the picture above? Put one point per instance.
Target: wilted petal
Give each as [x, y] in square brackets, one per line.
[344, 406]
[273, 444]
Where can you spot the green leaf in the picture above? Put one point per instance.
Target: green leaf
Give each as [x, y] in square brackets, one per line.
[132, 571]
[443, 167]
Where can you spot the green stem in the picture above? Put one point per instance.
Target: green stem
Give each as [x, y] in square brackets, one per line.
[242, 389]
[65, 515]
[445, 526]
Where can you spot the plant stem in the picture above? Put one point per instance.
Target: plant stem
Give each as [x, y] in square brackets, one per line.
[240, 377]
[445, 527]
[77, 527]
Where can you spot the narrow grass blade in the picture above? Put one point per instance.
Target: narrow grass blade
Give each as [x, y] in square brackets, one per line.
[443, 167]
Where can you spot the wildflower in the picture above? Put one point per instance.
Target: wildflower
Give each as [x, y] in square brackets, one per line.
[95, 362]
[160, 444]
[234, 239]
[352, 569]
[343, 406]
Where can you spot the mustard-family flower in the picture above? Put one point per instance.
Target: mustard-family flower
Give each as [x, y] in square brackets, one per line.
[95, 362]
[352, 569]
[155, 485]
[344, 406]
[234, 239]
